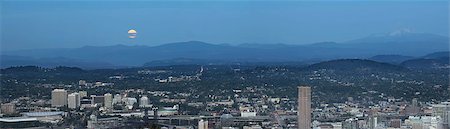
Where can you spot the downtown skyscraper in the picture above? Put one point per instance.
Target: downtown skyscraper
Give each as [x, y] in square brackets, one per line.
[73, 100]
[59, 98]
[108, 100]
[304, 107]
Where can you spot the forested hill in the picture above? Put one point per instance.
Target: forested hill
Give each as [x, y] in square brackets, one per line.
[356, 64]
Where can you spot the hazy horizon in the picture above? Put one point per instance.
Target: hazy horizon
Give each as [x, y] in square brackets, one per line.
[58, 24]
[224, 44]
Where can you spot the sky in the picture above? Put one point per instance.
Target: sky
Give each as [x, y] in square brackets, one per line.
[70, 24]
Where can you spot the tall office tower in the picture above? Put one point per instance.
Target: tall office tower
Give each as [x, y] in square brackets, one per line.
[202, 124]
[73, 100]
[373, 122]
[143, 102]
[108, 100]
[442, 110]
[304, 107]
[59, 98]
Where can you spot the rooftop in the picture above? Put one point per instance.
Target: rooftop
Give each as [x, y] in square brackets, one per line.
[40, 114]
[17, 119]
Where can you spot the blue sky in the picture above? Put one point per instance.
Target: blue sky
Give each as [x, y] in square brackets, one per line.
[58, 24]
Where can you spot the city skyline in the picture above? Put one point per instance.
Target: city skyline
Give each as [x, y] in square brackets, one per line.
[219, 64]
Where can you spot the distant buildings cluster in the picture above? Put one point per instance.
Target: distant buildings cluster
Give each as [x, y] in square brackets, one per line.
[75, 100]
[389, 114]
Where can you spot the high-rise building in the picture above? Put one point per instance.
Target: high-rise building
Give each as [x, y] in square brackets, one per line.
[8, 108]
[202, 124]
[73, 100]
[143, 102]
[372, 121]
[59, 98]
[442, 110]
[108, 100]
[424, 122]
[304, 107]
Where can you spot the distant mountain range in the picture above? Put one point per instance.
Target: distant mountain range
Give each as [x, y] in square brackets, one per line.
[195, 52]
[190, 61]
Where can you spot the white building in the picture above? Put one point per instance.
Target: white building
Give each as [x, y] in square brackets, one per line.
[117, 99]
[202, 124]
[59, 98]
[108, 100]
[443, 111]
[143, 102]
[424, 122]
[248, 114]
[252, 127]
[73, 100]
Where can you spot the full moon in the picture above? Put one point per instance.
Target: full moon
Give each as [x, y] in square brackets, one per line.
[132, 34]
